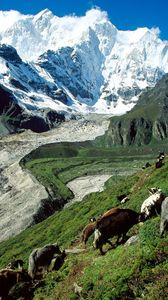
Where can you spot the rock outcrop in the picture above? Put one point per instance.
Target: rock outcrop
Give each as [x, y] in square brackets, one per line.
[147, 121]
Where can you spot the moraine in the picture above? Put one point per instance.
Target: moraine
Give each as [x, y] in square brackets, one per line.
[20, 192]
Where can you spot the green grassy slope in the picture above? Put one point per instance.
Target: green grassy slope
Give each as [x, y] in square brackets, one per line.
[145, 124]
[139, 271]
[56, 164]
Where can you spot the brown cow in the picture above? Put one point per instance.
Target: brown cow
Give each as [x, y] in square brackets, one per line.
[90, 228]
[8, 278]
[87, 232]
[115, 224]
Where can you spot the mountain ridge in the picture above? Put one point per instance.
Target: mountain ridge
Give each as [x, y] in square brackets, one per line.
[77, 65]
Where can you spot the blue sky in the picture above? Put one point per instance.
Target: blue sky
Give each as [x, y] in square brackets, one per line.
[124, 14]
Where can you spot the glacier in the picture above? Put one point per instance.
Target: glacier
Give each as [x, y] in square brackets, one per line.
[77, 65]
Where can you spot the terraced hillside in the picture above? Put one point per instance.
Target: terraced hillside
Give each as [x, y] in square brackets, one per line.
[139, 271]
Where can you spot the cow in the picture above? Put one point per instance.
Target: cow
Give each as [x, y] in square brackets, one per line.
[40, 259]
[8, 278]
[164, 217]
[161, 155]
[15, 264]
[122, 198]
[115, 224]
[147, 165]
[152, 205]
[159, 163]
[87, 232]
[160, 158]
[90, 228]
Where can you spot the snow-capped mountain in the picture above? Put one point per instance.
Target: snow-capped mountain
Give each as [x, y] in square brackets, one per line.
[74, 65]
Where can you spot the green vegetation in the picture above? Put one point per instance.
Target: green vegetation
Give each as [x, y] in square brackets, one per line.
[139, 271]
[145, 124]
[56, 164]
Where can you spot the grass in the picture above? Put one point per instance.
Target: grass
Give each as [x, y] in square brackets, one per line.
[139, 271]
[56, 164]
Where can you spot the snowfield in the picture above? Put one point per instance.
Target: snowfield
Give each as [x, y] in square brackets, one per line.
[77, 65]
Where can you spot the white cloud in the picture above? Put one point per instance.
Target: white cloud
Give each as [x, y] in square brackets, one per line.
[8, 18]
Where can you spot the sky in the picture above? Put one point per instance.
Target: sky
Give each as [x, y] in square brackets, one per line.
[124, 14]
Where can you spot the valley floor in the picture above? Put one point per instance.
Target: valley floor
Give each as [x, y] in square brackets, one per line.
[18, 187]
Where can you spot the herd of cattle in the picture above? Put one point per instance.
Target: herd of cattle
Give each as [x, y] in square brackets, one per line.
[114, 222]
[41, 260]
[117, 221]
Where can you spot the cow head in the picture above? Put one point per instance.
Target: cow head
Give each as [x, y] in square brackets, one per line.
[56, 249]
[142, 217]
[154, 190]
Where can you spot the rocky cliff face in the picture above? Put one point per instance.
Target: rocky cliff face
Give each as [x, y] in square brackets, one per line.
[128, 132]
[146, 121]
[14, 118]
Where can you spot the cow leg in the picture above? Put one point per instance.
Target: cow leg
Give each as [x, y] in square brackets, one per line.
[123, 238]
[109, 242]
[101, 250]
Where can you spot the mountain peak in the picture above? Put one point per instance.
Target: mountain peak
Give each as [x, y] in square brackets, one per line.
[44, 13]
[97, 67]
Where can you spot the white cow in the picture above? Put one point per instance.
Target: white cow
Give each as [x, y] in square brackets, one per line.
[152, 205]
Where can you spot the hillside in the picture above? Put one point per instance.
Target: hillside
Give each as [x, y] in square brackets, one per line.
[139, 271]
[146, 123]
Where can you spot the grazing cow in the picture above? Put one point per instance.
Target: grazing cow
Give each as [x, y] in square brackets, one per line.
[15, 264]
[161, 155]
[122, 198]
[159, 163]
[40, 259]
[147, 165]
[87, 232]
[8, 278]
[90, 228]
[164, 217]
[152, 205]
[115, 224]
